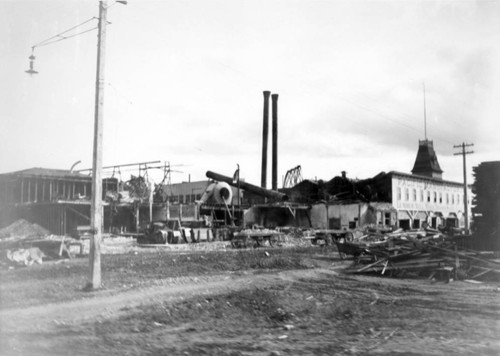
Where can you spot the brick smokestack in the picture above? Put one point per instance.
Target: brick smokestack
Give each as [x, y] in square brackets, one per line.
[274, 99]
[265, 135]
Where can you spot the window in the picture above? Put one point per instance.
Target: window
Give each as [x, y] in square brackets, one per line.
[435, 197]
[407, 194]
[447, 198]
[453, 198]
[440, 198]
[428, 196]
[421, 195]
[414, 195]
[387, 219]
[399, 193]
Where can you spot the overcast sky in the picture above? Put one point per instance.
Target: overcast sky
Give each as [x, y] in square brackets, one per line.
[184, 82]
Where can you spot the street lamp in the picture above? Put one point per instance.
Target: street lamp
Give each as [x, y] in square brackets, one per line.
[31, 71]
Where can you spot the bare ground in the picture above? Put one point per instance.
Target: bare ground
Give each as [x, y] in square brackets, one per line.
[314, 311]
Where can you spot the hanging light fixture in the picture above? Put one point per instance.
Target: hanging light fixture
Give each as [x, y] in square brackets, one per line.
[31, 71]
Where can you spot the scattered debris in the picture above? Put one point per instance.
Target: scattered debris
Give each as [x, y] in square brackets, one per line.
[26, 256]
[256, 238]
[25, 243]
[419, 253]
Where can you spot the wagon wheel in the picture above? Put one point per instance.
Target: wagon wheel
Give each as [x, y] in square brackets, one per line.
[257, 241]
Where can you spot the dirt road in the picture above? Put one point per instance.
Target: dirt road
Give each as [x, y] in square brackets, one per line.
[104, 304]
[318, 311]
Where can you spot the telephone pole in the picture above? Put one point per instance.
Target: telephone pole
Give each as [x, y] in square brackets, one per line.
[96, 200]
[96, 212]
[463, 152]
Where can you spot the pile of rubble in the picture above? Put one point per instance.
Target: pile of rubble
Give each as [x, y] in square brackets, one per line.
[422, 253]
[25, 243]
[24, 229]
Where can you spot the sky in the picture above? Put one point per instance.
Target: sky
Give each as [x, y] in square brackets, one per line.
[184, 82]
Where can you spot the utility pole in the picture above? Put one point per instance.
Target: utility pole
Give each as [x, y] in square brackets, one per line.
[96, 201]
[464, 153]
[96, 212]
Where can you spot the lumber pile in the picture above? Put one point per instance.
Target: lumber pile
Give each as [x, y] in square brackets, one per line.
[423, 253]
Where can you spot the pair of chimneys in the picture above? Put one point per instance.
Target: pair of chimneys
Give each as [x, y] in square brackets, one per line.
[265, 133]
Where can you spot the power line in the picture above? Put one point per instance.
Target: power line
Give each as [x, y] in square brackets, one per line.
[388, 118]
[60, 37]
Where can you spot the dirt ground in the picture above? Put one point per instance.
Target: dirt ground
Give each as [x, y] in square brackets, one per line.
[180, 302]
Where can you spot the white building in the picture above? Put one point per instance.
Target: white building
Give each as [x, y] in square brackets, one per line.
[419, 199]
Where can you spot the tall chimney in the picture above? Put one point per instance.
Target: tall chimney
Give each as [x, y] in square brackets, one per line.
[265, 134]
[274, 99]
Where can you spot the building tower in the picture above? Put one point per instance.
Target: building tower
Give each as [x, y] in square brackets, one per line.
[426, 163]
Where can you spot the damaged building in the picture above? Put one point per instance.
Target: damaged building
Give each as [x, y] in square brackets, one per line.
[59, 200]
[392, 199]
[396, 199]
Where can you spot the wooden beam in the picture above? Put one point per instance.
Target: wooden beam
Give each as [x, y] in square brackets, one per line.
[481, 273]
[371, 265]
[79, 213]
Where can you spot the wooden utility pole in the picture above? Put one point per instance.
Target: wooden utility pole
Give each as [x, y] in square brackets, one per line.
[96, 212]
[464, 153]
